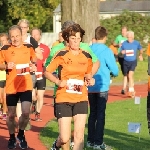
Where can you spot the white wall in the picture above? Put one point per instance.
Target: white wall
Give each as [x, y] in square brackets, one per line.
[49, 38]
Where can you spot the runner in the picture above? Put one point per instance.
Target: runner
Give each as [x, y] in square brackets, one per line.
[129, 50]
[40, 78]
[26, 38]
[3, 41]
[17, 57]
[98, 93]
[61, 46]
[71, 97]
[117, 43]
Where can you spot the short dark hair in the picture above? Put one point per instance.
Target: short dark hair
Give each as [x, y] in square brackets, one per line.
[35, 28]
[71, 31]
[15, 27]
[100, 33]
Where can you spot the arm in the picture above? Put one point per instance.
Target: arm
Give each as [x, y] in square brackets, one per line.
[96, 63]
[95, 67]
[51, 68]
[111, 63]
[3, 65]
[35, 45]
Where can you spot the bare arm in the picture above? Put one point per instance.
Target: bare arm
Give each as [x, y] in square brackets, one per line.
[95, 67]
[38, 53]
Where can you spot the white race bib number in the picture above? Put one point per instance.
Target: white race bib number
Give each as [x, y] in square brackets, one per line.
[39, 75]
[130, 52]
[22, 69]
[74, 86]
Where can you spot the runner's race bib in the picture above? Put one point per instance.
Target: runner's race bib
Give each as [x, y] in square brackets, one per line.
[74, 86]
[22, 69]
[130, 52]
[39, 75]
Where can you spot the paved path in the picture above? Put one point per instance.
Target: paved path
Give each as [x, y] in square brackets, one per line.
[47, 114]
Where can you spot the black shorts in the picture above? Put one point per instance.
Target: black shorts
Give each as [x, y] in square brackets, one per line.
[2, 83]
[40, 84]
[129, 66]
[70, 109]
[12, 99]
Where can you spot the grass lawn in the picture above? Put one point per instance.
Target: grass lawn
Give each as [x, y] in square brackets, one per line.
[140, 75]
[118, 115]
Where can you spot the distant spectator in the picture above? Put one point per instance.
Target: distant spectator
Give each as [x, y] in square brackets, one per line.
[60, 39]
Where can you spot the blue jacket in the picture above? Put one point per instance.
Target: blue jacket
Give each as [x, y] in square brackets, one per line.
[107, 65]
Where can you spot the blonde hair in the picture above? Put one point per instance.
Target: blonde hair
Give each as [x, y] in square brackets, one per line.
[24, 21]
[131, 33]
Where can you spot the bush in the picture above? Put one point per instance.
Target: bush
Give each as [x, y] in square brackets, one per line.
[134, 21]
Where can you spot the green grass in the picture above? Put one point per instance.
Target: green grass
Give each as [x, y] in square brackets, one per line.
[140, 75]
[118, 114]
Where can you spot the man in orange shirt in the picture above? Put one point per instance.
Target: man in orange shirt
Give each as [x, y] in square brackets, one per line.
[17, 57]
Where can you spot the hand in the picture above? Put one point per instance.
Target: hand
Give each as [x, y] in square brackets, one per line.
[33, 68]
[10, 65]
[123, 52]
[62, 83]
[141, 58]
[89, 82]
[120, 44]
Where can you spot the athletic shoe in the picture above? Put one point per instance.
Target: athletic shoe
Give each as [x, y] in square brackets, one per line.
[102, 147]
[89, 144]
[122, 91]
[4, 117]
[28, 127]
[37, 117]
[131, 94]
[12, 144]
[54, 147]
[22, 142]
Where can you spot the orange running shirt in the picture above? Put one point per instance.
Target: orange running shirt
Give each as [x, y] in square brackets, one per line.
[18, 79]
[73, 69]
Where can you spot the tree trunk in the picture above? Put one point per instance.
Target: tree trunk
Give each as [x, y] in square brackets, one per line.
[83, 12]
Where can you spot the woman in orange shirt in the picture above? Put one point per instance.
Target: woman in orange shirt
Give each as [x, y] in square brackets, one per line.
[74, 65]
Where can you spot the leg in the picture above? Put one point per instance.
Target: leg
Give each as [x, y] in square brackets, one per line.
[131, 81]
[101, 107]
[92, 118]
[80, 111]
[11, 119]
[24, 118]
[64, 132]
[11, 101]
[79, 126]
[63, 112]
[41, 84]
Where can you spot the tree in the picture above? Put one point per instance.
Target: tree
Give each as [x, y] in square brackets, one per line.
[38, 12]
[83, 12]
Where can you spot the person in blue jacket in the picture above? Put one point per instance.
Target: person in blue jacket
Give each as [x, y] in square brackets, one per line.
[98, 94]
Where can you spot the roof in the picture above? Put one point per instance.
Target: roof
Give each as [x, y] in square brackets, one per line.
[111, 6]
